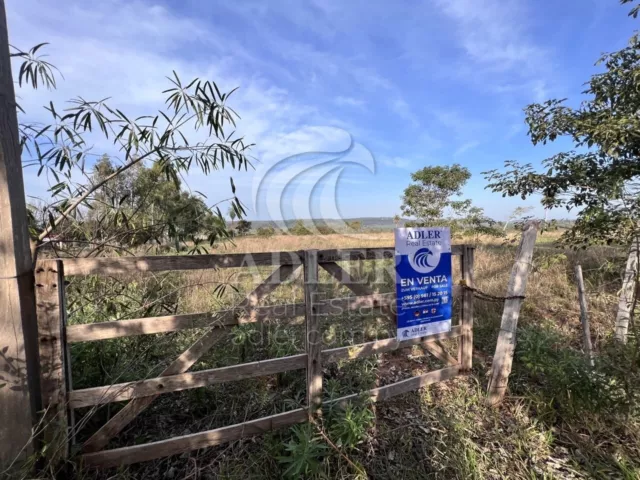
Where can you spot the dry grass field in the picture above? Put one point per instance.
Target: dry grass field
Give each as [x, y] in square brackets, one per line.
[560, 420]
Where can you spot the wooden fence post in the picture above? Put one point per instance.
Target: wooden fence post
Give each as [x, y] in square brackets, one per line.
[503, 357]
[627, 293]
[584, 315]
[19, 369]
[313, 334]
[50, 305]
[465, 349]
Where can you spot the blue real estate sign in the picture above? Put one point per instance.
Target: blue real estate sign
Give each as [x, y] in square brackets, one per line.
[423, 281]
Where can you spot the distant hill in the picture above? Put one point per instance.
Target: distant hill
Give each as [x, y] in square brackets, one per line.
[369, 223]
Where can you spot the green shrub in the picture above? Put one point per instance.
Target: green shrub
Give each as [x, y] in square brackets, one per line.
[303, 453]
[266, 232]
[299, 228]
[325, 230]
[349, 426]
[569, 386]
[244, 337]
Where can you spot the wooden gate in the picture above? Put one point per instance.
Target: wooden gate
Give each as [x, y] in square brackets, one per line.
[55, 335]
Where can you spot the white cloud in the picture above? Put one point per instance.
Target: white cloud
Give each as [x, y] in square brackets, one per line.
[397, 162]
[464, 148]
[349, 102]
[125, 50]
[493, 33]
[404, 111]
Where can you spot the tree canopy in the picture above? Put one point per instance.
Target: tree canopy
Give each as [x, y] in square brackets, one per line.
[429, 197]
[598, 178]
[431, 200]
[191, 131]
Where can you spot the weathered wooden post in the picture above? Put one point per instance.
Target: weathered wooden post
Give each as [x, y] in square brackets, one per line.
[19, 387]
[465, 350]
[503, 357]
[627, 293]
[50, 307]
[584, 315]
[313, 334]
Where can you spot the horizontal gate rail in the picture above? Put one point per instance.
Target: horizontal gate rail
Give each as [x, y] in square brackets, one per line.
[161, 263]
[183, 381]
[186, 443]
[381, 346]
[403, 386]
[90, 332]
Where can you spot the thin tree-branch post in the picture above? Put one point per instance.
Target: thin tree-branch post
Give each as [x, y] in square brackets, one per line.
[50, 304]
[584, 315]
[627, 293]
[503, 358]
[313, 334]
[465, 350]
[19, 388]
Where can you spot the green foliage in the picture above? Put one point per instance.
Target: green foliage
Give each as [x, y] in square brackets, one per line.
[476, 223]
[244, 337]
[324, 229]
[429, 198]
[355, 225]
[142, 206]
[634, 11]
[243, 227]
[266, 232]
[571, 387]
[64, 147]
[34, 67]
[348, 427]
[519, 214]
[299, 228]
[599, 178]
[303, 453]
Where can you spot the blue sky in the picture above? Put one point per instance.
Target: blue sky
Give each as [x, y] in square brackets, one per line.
[409, 83]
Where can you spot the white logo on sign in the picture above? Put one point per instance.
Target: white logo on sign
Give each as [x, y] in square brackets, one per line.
[425, 260]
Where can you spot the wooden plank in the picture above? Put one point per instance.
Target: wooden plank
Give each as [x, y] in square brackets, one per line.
[194, 441]
[626, 301]
[339, 305]
[359, 288]
[382, 346]
[131, 265]
[414, 383]
[342, 276]
[91, 332]
[505, 347]
[313, 338]
[20, 396]
[438, 350]
[350, 254]
[377, 253]
[183, 363]
[49, 280]
[184, 381]
[465, 349]
[584, 315]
